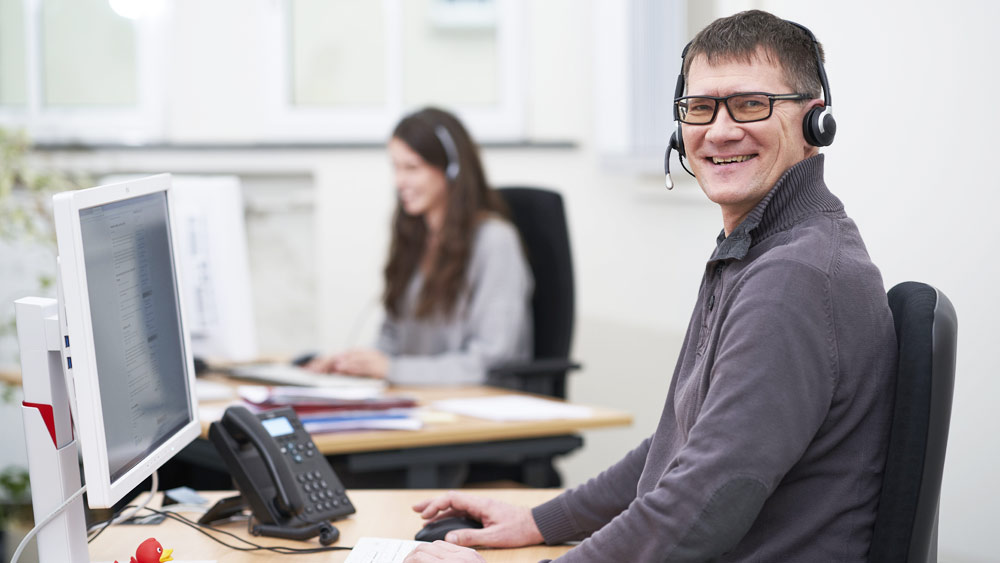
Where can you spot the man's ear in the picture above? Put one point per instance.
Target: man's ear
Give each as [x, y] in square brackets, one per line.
[810, 104]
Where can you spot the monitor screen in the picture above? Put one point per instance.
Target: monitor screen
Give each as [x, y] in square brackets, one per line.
[137, 334]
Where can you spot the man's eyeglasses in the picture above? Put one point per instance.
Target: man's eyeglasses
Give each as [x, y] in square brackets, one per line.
[743, 108]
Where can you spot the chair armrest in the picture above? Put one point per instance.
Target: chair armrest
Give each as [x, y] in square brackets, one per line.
[539, 367]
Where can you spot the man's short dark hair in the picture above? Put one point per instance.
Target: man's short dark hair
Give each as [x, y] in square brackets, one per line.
[737, 38]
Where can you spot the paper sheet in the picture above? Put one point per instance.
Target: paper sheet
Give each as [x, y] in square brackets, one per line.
[381, 550]
[511, 408]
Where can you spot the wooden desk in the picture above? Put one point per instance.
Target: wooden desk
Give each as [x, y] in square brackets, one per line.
[381, 513]
[442, 442]
[427, 454]
[455, 430]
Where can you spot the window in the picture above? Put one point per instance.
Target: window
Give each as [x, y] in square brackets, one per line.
[276, 71]
[325, 41]
[75, 71]
[349, 68]
[13, 69]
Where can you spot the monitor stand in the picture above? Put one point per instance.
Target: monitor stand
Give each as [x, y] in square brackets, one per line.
[53, 463]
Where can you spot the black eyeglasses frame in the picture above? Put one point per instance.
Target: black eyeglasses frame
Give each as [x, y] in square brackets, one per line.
[725, 101]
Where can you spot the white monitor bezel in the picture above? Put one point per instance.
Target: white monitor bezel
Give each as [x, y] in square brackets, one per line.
[76, 320]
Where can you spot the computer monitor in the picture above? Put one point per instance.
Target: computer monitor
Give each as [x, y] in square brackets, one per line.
[121, 360]
[129, 356]
[132, 365]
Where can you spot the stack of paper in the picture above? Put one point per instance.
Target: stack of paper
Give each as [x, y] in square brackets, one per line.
[340, 423]
[330, 410]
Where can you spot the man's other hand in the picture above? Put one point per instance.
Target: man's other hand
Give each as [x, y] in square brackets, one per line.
[504, 525]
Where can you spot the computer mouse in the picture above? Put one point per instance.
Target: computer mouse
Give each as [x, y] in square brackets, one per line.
[303, 359]
[437, 529]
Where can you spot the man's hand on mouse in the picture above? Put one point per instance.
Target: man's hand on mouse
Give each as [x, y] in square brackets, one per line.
[504, 525]
[443, 551]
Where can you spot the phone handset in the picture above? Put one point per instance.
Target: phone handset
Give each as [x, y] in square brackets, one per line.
[243, 426]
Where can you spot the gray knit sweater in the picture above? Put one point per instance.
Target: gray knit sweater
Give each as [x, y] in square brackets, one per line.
[772, 440]
[491, 324]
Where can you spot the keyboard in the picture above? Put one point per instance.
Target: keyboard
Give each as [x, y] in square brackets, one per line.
[288, 374]
[381, 550]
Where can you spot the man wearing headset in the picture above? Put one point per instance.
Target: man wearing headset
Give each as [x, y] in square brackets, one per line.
[773, 437]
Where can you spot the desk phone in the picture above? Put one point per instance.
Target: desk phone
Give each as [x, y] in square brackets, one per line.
[288, 484]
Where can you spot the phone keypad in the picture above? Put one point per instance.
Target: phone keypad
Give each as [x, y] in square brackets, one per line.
[324, 496]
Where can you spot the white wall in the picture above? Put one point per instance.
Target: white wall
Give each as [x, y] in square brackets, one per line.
[911, 82]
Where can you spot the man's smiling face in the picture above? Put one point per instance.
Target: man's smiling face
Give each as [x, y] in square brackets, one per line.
[736, 164]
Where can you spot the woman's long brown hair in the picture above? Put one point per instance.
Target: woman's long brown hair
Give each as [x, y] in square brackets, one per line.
[469, 199]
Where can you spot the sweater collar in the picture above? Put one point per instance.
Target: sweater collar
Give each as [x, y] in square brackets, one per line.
[799, 193]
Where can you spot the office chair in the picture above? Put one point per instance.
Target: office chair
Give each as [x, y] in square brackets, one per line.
[906, 521]
[540, 218]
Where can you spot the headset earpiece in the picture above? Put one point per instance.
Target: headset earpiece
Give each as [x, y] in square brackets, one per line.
[819, 126]
[450, 151]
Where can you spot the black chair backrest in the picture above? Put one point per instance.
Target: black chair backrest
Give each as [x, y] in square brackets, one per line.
[540, 218]
[926, 330]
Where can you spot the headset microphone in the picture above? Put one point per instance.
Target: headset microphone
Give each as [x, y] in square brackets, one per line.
[676, 138]
[666, 161]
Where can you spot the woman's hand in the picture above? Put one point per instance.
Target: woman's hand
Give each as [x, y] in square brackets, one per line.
[362, 362]
[504, 525]
[322, 364]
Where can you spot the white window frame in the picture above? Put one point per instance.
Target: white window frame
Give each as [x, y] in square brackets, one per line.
[142, 123]
[638, 54]
[285, 122]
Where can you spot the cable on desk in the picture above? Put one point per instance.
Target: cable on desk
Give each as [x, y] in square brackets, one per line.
[250, 546]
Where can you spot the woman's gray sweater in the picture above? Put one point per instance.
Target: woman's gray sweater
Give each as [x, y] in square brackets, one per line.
[491, 325]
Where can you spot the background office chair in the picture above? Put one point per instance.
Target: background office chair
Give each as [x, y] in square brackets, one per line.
[540, 218]
[906, 522]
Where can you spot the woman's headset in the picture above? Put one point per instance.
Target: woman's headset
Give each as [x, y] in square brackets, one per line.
[818, 126]
[450, 151]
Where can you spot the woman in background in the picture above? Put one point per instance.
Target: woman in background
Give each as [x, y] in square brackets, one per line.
[458, 289]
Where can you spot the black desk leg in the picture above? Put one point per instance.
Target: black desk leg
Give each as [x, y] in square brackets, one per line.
[539, 473]
[436, 476]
